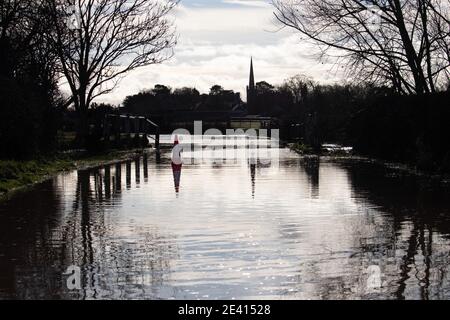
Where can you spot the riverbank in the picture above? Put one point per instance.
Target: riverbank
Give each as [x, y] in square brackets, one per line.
[343, 153]
[16, 176]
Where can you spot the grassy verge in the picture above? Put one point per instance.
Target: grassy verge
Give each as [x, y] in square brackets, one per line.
[17, 175]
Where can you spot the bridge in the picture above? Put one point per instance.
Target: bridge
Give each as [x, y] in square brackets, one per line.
[116, 125]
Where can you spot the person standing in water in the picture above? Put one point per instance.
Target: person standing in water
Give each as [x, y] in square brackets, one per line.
[177, 163]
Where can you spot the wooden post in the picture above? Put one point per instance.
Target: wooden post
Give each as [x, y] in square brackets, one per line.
[116, 125]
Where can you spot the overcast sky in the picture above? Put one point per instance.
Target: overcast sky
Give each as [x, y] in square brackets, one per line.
[216, 40]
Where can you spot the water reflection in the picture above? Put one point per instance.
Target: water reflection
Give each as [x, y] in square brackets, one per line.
[253, 178]
[118, 178]
[81, 232]
[309, 228]
[145, 164]
[137, 167]
[128, 174]
[177, 178]
[177, 163]
[419, 208]
[311, 165]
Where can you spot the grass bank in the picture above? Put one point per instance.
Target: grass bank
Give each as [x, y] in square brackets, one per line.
[18, 175]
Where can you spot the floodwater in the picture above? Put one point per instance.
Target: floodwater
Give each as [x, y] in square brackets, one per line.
[300, 228]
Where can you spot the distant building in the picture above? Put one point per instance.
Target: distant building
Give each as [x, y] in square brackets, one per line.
[219, 109]
[253, 119]
[251, 92]
[251, 122]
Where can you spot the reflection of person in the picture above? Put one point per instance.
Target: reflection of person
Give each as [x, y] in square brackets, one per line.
[177, 163]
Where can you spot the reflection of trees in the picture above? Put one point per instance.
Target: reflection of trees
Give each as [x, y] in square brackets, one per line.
[417, 241]
[134, 263]
[311, 166]
[419, 209]
[403, 228]
[406, 264]
[48, 229]
[138, 265]
[28, 256]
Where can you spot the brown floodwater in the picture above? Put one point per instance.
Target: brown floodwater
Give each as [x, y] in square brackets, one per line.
[307, 228]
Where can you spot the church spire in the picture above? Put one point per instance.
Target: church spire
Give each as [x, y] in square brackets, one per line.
[251, 91]
[252, 75]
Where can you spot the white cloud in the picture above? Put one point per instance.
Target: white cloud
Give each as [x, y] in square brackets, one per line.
[215, 48]
[206, 23]
[250, 3]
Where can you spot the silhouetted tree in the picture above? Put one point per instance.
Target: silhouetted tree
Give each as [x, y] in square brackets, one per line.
[162, 100]
[29, 91]
[263, 87]
[298, 86]
[186, 98]
[109, 39]
[161, 90]
[272, 101]
[216, 90]
[400, 43]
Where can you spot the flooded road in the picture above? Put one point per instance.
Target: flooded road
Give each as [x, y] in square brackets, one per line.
[307, 228]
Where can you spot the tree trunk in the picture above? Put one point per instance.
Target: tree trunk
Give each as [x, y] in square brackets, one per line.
[424, 15]
[83, 122]
[411, 55]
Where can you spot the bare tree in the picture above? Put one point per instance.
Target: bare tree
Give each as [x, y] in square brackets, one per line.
[26, 55]
[19, 34]
[106, 40]
[401, 43]
[29, 94]
[298, 86]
